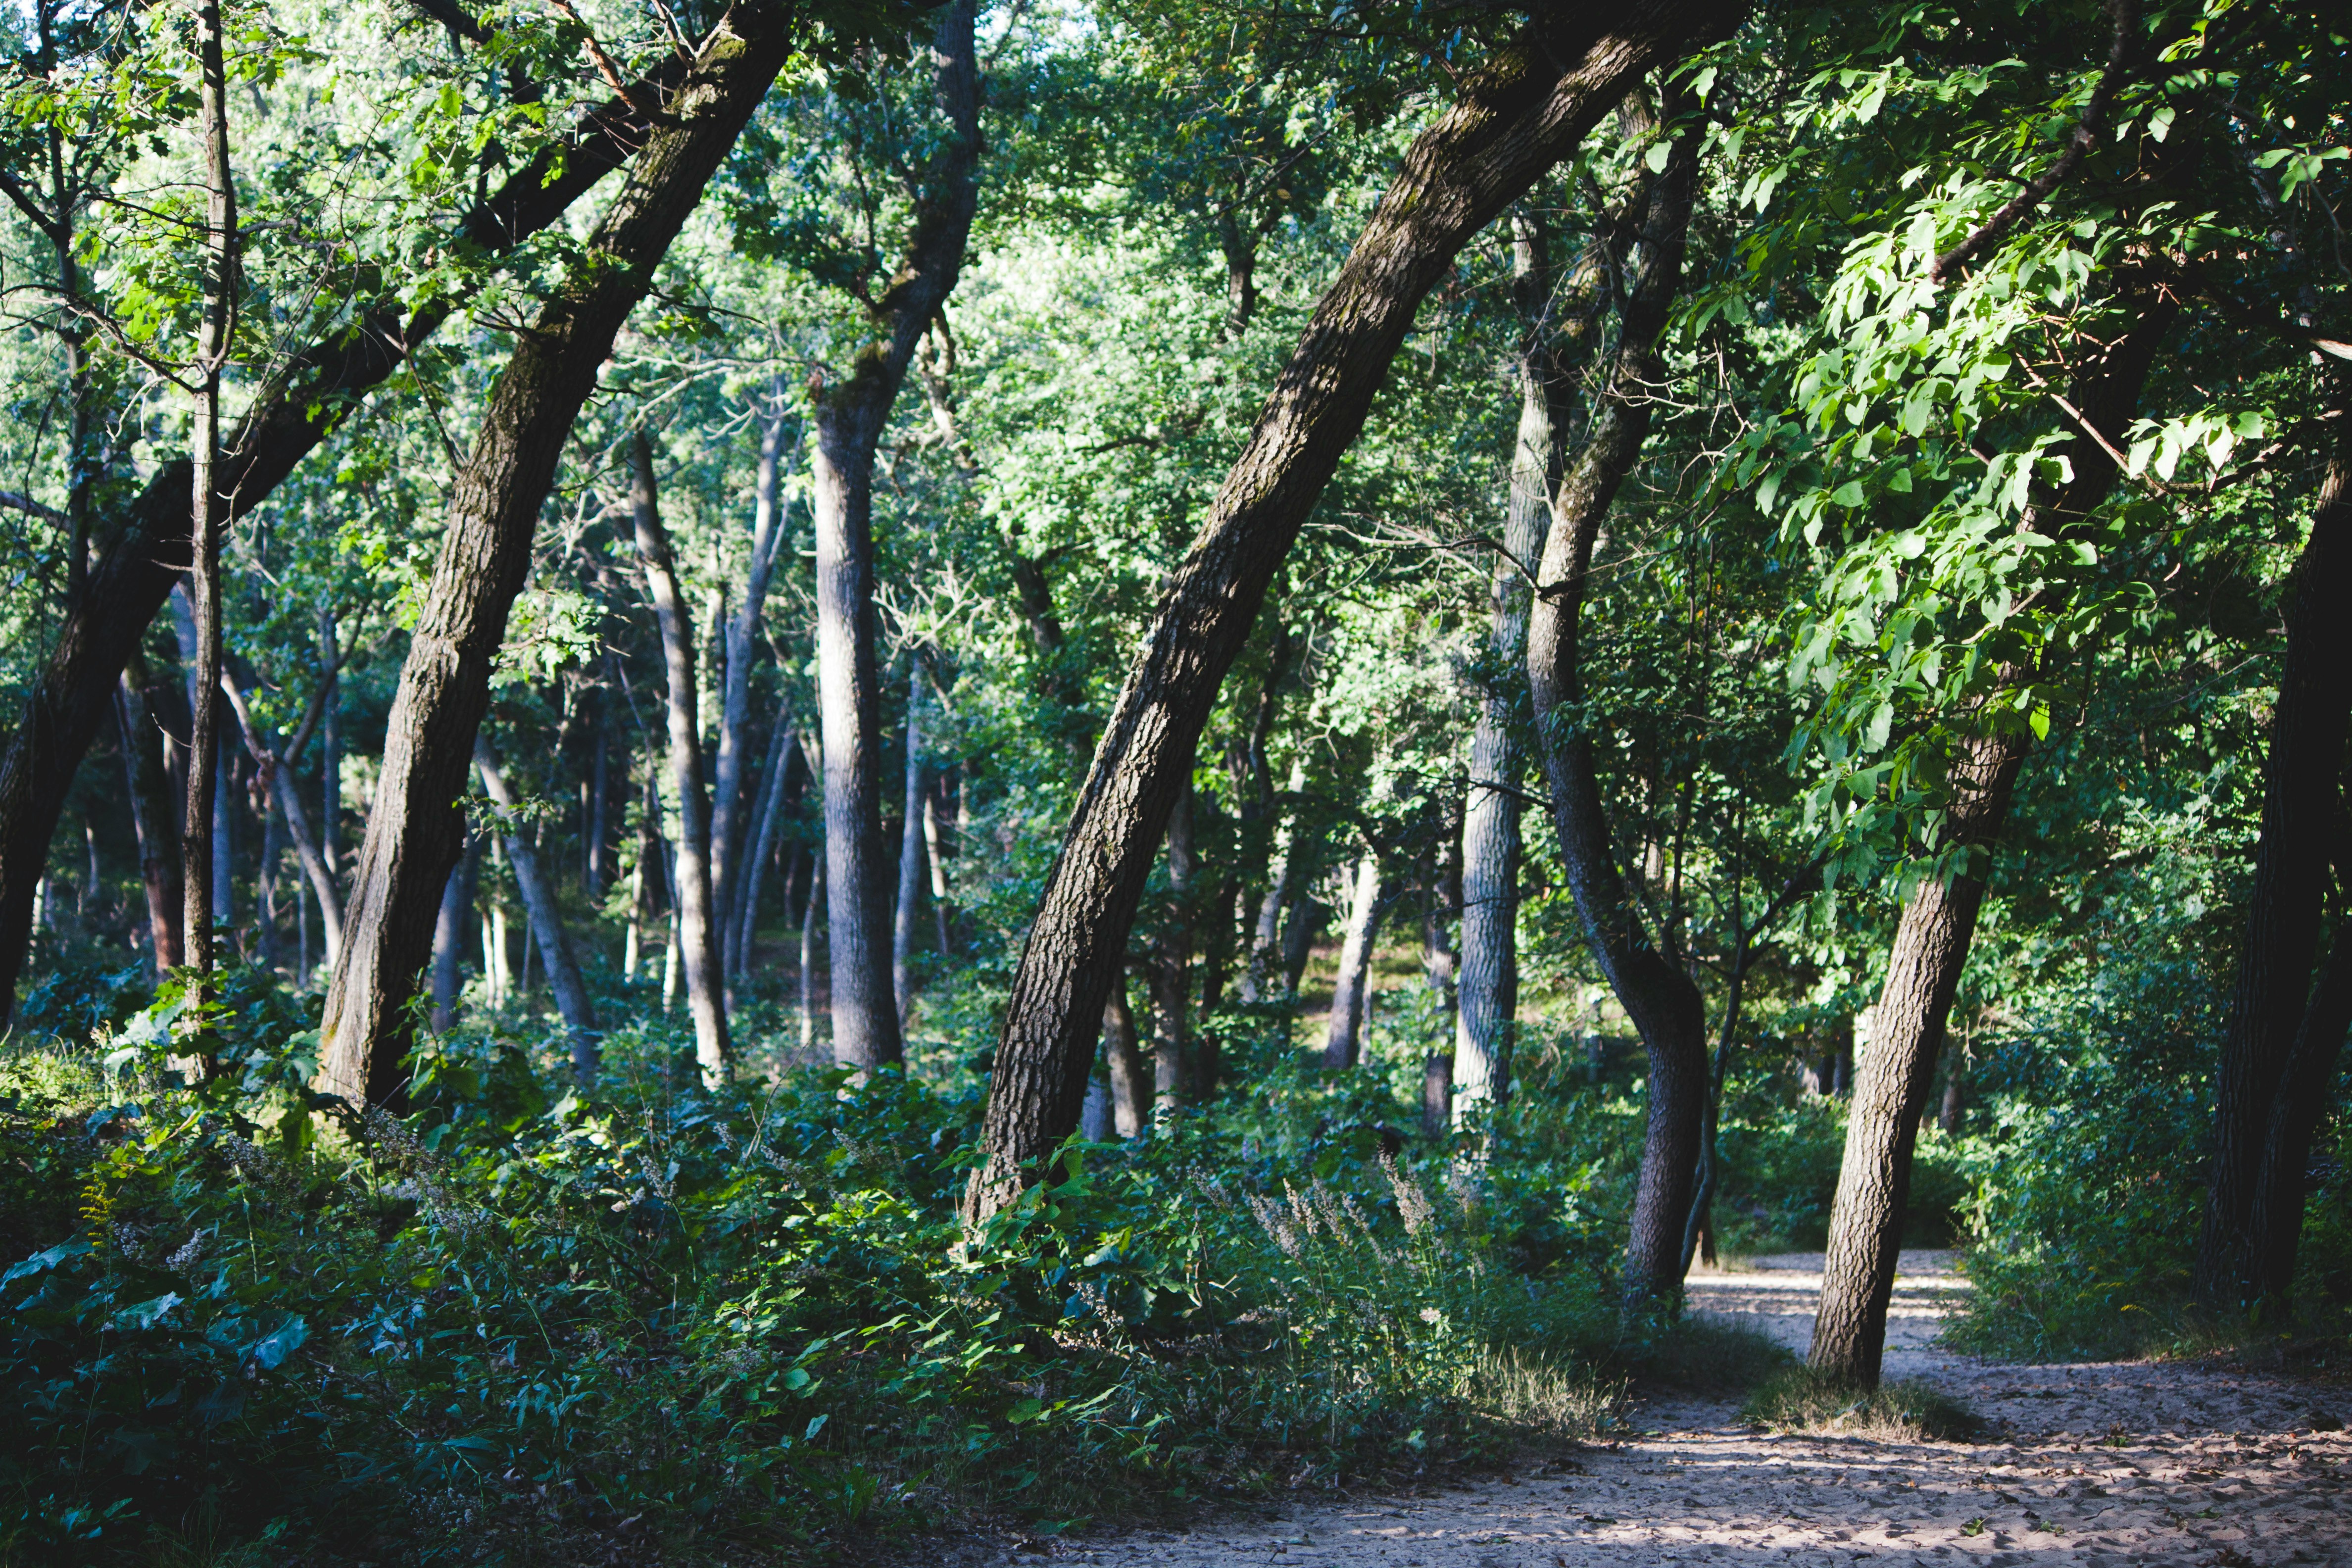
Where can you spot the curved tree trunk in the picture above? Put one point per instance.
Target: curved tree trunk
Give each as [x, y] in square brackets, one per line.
[1649, 982]
[2273, 1005]
[546, 922]
[850, 416]
[1343, 1040]
[414, 829]
[1515, 117]
[1932, 937]
[697, 926]
[146, 544]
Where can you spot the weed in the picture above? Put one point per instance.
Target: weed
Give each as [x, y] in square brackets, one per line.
[1797, 1399]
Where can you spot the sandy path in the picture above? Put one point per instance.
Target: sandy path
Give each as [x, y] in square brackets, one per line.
[2096, 1465]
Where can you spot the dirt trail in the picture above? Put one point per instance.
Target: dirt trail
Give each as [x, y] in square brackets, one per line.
[2097, 1465]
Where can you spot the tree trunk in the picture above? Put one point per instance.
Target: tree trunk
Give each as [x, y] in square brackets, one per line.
[2305, 1081]
[149, 539]
[1515, 117]
[1933, 934]
[696, 924]
[1299, 931]
[415, 828]
[934, 850]
[1130, 1078]
[546, 923]
[910, 857]
[1171, 964]
[1350, 991]
[727, 811]
[1266, 966]
[202, 902]
[331, 742]
[448, 946]
[2303, 808]
[809, 906]
[746, 917]
[1643, 970]
[280, 770]
[850, 417]
[151, 817]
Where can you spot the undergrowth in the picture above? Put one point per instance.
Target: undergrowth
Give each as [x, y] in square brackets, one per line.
[521, 1323]
[1797, 1399]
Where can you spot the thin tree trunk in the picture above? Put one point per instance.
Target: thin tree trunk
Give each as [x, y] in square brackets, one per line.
[727, 812]
[697, 921]
[1130, 1077]
[414, 827]
[151, 817]
[201, 904]
[764, 838]
[910, 857]
[934, 851]
[1281, 889]
[331, 742]
[2303, 807]
[1299, 932]
[809, 907]
[597, 829]
[273, 851]
[571, 1002]
[850, 416]
[148, 549]
[1933, 934]
[1648, 978]
[1171, 964]
[448, 944]
[1515, 117]
[280, 770]
[1350, 989]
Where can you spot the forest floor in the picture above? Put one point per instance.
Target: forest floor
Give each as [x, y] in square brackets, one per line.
[2147, 1462]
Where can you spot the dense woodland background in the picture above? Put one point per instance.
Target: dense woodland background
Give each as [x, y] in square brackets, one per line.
[1032, 762]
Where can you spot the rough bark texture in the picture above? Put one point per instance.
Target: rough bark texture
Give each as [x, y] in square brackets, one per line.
[1516, 116]
[546, 923]
[1343, 1039]
[2274, 1007]
[696, 924]
[728, 815]
[146, 543]
[415, 830]
[1648, 978]
[1932, 936]
[849, 419]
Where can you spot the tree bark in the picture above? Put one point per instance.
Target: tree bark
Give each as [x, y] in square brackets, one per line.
[448, 944]
[1642, 967]
[571, 1004]
[809, 906]
[147, 544]
[1265, 969]
[910, 857]
[1170, 979]
[151, 817]
[1130, 1078]
[1516, 116]
[779, 767]
[201, 901]
[414, 829]
[697, 920]
[330, 746]
[727, 815]
[1350, 990]
[849, 417]
[2303, 808]
[2305, 1079]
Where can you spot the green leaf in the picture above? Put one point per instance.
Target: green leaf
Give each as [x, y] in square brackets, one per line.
[1656, 156]
[1847, 494]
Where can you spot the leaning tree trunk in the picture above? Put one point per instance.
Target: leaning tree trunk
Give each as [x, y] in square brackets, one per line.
[849, 419]
[148, 544]
[1517, 117]
[727, 810]
[546, 923]
[415, 828]
[1932, 936]
[697, 920]
[1653, 988]
[2303, 808]
[1343, 1041]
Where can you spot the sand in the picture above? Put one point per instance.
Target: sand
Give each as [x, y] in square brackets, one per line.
[2094, 1464]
